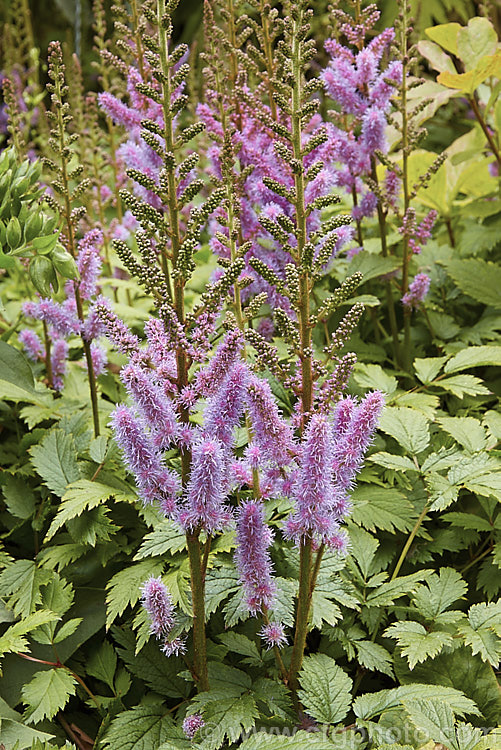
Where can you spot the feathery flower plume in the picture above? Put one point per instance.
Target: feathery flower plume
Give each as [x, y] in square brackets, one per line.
[223, 411]
[89, 263]
[313, 489]
[116, 330]
[210, 377]
[271, 433]
[204, 504]
[31, 344]
[158, 604]
[253, 558]
[154, 406]
[155, 482]
[59, 356]
[349, 450]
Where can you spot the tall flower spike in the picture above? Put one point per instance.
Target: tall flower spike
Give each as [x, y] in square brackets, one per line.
[253, 558]
[349, 451]
[204, 505]
[210, 378]
[271, 433]
[142, 457]
[313, 489]
[89, 262]
[225, 408]
[158, 604]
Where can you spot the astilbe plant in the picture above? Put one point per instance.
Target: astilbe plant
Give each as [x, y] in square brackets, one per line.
[189, 393]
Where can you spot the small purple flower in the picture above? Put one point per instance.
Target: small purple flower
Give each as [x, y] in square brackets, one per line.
[418, 289]
[175, 647]
[253, 558]
[99, 358]
[204, 505]
[89, 262]
[192, 724]
[158, 604]
[31, 344]
[273, 634]
[62, 317]
[116, 330]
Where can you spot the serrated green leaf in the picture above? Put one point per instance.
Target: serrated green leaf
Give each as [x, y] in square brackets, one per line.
[21, 582]
[478, 279]
[407, 426]
[382, 508]
[474, 356]
[439, 592]
[416, 643]
[373, 704]
[435, 718]
[14, 637]
[466, 431]
[102, 664]
[460, 670]
[442, 491]
[55, 459]
[372, 656]
[373, 376]
[386, 594]
[225, 717]
[19, 498]
[167, 538]
[326, 688]
[299, 741]
[140, 728]
[428, 368]
[464, 385]
[240, 644]
[83, 495]
[157, 671]
[15, 368]
[47, 693]
[15, 735]
[392, 461]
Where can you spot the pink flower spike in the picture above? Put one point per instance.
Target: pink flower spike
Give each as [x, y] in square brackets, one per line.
[252, 556]
[158, 604]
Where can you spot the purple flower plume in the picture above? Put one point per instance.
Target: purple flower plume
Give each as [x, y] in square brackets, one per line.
[89, 262]
[62, 317]
[313, 489]
[204, 505]
[59, 357]
[99, 358]
[418, 289]
[31, 344]
[252, 557]
[154, 406]
[349, 450]
[155, 482]
[158, 604]
[271, 433]
[210, 377]
[223, 411]
[115, 329]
